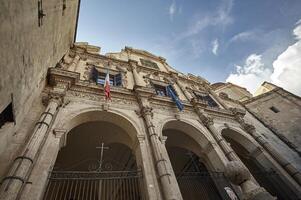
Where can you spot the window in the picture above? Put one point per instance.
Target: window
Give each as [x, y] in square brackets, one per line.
[161, 90]
[99, 77]
[7, 115]
[274, 109]
[149, 63]
[207, 98]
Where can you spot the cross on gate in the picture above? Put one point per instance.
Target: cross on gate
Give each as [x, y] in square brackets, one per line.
[102, 148]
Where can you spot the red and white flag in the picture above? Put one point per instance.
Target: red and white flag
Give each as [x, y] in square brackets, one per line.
[107, 86]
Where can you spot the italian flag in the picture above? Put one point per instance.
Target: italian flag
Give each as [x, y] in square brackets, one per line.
[107, 86]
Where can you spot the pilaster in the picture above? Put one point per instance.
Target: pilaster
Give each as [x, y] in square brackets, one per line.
[163, 166]
[13, 184]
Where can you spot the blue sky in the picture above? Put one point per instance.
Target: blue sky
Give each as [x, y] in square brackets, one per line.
[234, 40]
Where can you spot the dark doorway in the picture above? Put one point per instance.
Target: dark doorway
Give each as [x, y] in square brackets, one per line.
[195, 181]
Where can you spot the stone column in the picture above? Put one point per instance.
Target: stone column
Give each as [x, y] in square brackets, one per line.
[170, 187]
[18, 175]
[151, 185]
[287, 166]
[165, 155]
[236, 171]
[40, 173]
[74, 63]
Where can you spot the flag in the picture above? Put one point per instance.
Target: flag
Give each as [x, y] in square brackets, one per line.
[171, 93]
[107, 86]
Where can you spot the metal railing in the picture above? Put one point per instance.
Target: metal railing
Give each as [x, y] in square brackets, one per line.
[107, 185]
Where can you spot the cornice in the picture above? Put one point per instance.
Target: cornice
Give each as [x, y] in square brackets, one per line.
[99, 56]
[261, 96]
[146, 54]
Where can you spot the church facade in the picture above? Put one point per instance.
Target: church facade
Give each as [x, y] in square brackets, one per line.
[162, 135]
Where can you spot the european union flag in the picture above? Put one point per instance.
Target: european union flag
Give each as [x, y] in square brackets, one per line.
[171, 93]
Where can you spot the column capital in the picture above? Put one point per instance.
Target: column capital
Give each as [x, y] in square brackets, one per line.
[57, 97]
[146, 110]
[58, 133]
[61, 135]
[208, 121]
[163, 139]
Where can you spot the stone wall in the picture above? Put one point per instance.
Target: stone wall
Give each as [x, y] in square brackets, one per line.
[29, 46]
[285, 121]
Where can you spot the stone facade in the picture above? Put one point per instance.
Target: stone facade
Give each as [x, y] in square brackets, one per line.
[220, 131]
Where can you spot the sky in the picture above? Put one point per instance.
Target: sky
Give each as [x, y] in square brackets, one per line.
[244, 42]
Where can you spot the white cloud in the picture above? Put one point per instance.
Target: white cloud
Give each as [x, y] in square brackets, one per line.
[243, 36]
[215, 46]
[286, 71]
[221, 17]
[172, 10]
[287, 66]
[251, 74]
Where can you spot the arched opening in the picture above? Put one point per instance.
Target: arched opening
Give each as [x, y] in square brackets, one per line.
[258, 165]
[97, 162]
[194, 170]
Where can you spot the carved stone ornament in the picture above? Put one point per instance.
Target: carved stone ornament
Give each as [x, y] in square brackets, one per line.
[223, 95]
[237, 173]
[163, 139]
[105, 106]
[238, 111]
[178, 116]
[53, 96]
[249, 127]
[147, 111]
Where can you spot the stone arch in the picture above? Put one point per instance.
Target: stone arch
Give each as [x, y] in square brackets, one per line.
[68, 121]
[240, 136]
[192, 149]
[204, 144]
[259, 162]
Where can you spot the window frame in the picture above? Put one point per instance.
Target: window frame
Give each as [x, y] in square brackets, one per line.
[206, 97]
[116, 77]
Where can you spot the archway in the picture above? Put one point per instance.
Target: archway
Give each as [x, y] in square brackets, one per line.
[98, 160]
[258, 165]
[195, 170]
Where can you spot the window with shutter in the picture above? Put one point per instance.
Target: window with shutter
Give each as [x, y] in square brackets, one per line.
[160, 90]
[206, 98]
[115, 80]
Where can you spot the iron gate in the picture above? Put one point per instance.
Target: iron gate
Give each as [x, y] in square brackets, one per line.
[112, 185]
